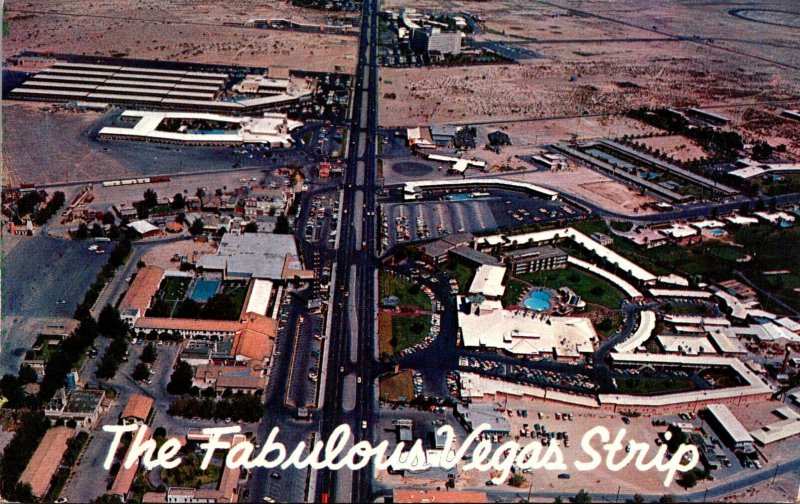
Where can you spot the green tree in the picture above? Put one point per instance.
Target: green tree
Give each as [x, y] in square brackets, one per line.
[282, 225]
[107, 499]
[27, 374]
[516, 480]
[110, 324]
[637, 499]
[97, 230]
[197, 227]
[108, 218]
[582, 497]
[141, 372]
[150, 199]
[180, 382]
[220, 307]
[83, 231]
[667, 499]
[251, 227]
[178, 202]
[189, 308]
[149, 353]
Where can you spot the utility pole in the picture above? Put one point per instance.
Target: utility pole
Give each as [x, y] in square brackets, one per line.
[530, 491]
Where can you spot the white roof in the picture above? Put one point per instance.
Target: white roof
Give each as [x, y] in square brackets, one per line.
[142, 227]
[789, 324]
[789, 426]
[674, 280]
[584, 241]
[680, 293]
[521, 333]
[775, 217]
[685, 344]
[476, 386]
[260, 294]
[708, 223]
[765, 332]
[725, 342]
[697, 320]
[730, 423]
[647, 323]
[679, 231]
[488, 281]
[627, 288]
[741, 220]
[417, 186]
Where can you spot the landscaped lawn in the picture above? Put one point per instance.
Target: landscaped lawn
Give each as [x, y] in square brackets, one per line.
[174, 288]
[642, 385]
[514, 291]
[237, 291]
[408, 331]
[189, 474]
[462, 273]
[408, 294]
[592, 289]
[397, 387]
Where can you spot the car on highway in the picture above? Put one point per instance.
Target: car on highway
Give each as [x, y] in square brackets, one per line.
[364, 424]
[275, 476]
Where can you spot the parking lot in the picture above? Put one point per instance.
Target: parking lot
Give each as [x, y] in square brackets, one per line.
[440, 214]
[305, 370]
[550, 418]
[323, 218]
[30, 291]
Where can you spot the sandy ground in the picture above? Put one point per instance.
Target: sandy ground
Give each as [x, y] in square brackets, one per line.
[599, 481]
[164, 30]
[509, 19]
[598, 78]
[591, 186]
[527, 135]
[161, 255]
[41, 147]
[680, 148]
[625, 19]
[765, 123]
[606, 61]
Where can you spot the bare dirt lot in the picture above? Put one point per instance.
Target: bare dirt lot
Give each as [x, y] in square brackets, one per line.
[509, 19]
[162, 255]
[765, 123]
[591, 186]
[176, 30]
[42, 147]
[678, 147]
[602, 78]
[600, 57]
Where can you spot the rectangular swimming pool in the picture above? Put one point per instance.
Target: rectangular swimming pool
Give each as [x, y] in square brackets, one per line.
[205, 290]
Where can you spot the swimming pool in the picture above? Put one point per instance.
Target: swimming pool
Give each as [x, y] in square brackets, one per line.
[458, 197]
[717, 232]
[205, 290]
[538, 301]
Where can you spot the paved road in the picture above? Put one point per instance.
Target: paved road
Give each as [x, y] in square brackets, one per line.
[355, 280]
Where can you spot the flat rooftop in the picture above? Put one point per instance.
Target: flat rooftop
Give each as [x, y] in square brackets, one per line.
[256, 255]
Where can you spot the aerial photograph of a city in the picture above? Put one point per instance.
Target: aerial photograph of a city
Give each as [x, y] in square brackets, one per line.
[400, 251]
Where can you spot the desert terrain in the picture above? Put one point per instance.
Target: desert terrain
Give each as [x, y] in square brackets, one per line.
[601, 57]
[176, 30]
